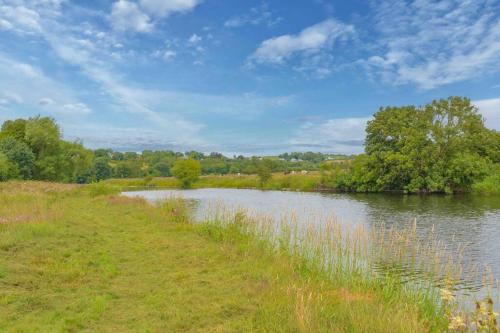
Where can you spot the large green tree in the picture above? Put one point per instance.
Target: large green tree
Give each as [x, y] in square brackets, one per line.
[441, 147]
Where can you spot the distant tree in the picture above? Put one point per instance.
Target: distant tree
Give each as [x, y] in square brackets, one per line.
[264, 171]
[195, 155]
[123, 170]
[216, 155]
[101, 169]
[186, 171]
[162, 169]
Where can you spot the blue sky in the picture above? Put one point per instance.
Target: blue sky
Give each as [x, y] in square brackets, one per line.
[251, 77]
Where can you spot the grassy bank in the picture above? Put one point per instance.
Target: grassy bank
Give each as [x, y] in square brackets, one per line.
[82, 259]
[279, 181]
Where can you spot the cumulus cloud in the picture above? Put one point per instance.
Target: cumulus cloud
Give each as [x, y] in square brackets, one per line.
[126, 15]
[308, 42]
[139, 16]
[434, 43]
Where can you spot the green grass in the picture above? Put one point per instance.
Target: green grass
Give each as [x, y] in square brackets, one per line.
[77, 259]
[279, 181]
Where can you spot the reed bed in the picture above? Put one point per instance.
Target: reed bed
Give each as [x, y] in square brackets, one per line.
[399, 264]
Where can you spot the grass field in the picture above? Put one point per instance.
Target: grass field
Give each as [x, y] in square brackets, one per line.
[279, 181]
[81, 259]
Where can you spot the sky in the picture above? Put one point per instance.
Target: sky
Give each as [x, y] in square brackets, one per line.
[241, 77]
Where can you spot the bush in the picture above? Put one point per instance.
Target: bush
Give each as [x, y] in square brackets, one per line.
[186, 171]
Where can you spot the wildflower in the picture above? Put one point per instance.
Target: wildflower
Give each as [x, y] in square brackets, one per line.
[446, 295]
[456, 323]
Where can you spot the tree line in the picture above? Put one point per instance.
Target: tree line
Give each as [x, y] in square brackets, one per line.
[33, 149]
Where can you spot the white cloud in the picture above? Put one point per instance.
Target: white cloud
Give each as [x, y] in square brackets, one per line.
[433, 43]
[342, 135]
[166, 7]
[126, 15]
[309, 41]
[76, 109]
[19, 17]
[195, 39]
[256, 16]
[490, 109]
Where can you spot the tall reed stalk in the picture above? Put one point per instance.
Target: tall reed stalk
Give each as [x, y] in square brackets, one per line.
[400, 264]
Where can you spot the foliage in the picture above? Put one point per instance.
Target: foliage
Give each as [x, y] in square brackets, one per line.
[20, 154]
[186, 171]
[7, 169]
[441, 147]
[489, 185]
[264, 171]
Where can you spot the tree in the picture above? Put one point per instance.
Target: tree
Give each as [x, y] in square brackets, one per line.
[264, 171]
[186, 171]
[20, 154]
[162, 169]
[8, 170]
[441, 147]
[14, 128]
[101, 169]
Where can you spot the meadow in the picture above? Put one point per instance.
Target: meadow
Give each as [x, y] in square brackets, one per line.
[85, 259]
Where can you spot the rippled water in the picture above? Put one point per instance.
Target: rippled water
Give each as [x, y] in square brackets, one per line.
[460, 221]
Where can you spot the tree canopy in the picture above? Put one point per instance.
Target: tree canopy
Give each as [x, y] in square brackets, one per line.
[440, 147]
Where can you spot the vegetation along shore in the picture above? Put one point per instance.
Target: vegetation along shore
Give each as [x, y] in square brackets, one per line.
[86, 259]
[442, 147]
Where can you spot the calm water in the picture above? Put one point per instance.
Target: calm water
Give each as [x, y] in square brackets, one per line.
[470, 221]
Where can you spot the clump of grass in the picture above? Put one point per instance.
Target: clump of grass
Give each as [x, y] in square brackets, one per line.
[175, 210]
[100, 189]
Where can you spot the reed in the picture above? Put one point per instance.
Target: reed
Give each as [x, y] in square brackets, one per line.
[398, 264]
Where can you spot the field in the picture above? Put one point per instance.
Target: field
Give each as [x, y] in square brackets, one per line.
[279, 181]
[84, 259]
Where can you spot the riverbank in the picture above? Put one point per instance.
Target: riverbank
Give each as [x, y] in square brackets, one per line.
[308, 182]
[82, 258]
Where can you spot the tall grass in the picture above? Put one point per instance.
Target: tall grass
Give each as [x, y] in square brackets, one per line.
[397, 264]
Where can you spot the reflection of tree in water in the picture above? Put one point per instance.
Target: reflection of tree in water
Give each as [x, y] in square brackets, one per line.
[470, 224]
